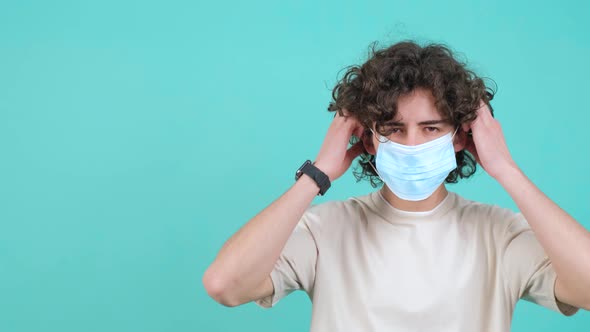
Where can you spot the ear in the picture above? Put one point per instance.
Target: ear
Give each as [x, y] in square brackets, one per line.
[369, 142]
[460, 140]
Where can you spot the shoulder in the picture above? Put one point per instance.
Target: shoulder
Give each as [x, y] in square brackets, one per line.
[339, 208]
[493, 217]
[481, 210]
[333, 213]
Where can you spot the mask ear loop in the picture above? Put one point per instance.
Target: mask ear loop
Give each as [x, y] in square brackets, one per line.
[378, 136]
[456, 130]
[370, 163]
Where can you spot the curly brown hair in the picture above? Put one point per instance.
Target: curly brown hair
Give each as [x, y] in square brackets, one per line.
[370, 93]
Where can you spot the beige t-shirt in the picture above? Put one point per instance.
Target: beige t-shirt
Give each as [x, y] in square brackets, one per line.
[368, 266]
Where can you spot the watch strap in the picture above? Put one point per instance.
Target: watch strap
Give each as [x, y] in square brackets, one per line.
[320, 178]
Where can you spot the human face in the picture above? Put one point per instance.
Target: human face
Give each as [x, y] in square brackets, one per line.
[417, 121]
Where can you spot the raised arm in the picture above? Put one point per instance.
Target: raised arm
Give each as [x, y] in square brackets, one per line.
[241, 271]
[566, 242]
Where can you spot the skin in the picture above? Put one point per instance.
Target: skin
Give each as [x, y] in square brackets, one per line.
[566, 242]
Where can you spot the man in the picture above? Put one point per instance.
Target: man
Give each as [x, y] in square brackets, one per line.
[411, 256]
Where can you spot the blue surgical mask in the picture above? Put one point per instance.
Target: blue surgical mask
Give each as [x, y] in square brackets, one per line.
[413, 172]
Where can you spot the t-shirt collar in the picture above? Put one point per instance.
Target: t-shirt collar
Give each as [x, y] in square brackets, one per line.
[392, 214]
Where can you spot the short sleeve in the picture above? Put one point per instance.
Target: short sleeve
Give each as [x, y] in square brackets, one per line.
[296, 265]
[527, 268]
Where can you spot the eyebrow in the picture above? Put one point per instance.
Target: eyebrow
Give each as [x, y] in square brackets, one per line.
[423, 123]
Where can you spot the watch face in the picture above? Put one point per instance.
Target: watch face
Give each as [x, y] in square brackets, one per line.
[299, 171]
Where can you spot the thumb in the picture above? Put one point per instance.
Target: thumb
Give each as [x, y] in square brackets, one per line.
[353, 152]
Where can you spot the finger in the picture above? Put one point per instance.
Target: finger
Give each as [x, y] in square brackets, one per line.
[485, 112]
[479, 121]
[355, 127]
[340, 113]
[345, 112]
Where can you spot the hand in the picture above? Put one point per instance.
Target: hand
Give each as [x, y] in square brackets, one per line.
[487, 143]
[334, 158]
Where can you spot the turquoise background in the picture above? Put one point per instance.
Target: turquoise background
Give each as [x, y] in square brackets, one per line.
[137, 136]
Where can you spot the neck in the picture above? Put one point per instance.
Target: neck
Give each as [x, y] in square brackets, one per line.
[415, 206]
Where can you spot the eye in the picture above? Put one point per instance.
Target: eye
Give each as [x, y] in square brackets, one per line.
[390, 130]
[432, 129]
[393, 130]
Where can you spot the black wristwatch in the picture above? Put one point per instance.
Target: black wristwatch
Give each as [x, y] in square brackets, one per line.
[320, 178]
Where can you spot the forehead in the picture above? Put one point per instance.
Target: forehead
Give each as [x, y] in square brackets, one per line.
[417, 106]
